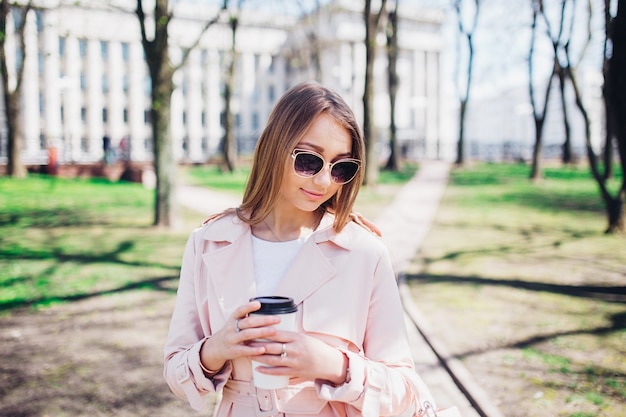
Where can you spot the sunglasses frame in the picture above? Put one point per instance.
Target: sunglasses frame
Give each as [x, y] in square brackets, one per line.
[330, 165]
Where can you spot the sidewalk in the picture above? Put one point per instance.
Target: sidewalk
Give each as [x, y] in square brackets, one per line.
[404, 224]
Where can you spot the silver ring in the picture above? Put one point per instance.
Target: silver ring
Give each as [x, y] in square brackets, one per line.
[283, 354]
[237, 329]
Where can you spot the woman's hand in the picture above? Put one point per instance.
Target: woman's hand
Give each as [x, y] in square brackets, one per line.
[233, 340]
[304, 357]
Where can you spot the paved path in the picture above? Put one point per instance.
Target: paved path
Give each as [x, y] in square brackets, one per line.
[404, 224]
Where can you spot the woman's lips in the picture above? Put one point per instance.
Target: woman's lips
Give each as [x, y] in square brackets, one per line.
[313, 195]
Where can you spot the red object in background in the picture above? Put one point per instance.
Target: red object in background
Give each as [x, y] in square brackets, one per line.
[53, 162]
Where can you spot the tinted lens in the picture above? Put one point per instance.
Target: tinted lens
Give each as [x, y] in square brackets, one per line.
[307, 164]
[344, 171]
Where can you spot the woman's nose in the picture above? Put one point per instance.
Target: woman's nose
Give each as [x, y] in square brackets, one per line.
[323, 177]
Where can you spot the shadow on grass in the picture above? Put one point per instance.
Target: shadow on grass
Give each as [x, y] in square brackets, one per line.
[154, 284]
[614, 294]
[57, 217]
[21, 253]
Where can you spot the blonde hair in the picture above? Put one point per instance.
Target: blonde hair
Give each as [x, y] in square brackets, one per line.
[290, 119]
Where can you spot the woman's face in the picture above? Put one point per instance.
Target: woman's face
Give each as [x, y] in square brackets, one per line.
[332, 142]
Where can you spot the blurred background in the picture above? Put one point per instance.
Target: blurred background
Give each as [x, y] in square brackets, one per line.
[113, 111]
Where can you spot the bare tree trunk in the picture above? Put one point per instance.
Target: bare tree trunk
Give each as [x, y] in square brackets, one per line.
[161, 71]
[617, 101]
[12, 93]
[392, 78]
[230, 139]
[371, 28]
[567, 156]
[468, 34]
[606, 88]
[538, 117]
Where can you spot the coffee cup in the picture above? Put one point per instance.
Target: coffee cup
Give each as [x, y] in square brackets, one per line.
[286, 309]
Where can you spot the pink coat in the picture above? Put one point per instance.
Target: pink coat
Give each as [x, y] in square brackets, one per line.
[347, 296]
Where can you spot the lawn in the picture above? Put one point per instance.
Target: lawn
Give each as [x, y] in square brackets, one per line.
[67, 239]
[520, 282]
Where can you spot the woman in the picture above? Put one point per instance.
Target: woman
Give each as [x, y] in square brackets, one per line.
[294, 235]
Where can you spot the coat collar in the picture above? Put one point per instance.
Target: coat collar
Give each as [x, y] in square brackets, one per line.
[229, 228]
[232, 263]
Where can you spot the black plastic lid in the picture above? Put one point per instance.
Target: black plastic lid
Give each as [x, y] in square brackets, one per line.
[271, 305]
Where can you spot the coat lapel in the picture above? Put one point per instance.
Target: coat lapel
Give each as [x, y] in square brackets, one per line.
[309, 271]
[229, 269]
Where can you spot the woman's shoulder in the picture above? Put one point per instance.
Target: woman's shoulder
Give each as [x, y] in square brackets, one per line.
[365, 223]
[224, 226]
[362, 235]
[217, 217]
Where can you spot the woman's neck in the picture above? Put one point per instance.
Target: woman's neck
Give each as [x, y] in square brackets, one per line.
[280, 228]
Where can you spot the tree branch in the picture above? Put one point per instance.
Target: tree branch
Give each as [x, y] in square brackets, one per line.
[206, 27]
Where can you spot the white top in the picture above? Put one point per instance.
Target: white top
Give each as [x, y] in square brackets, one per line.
[271, 261]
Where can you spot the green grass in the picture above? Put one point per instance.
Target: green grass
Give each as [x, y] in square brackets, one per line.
[67, 239]
[212, 176]
[522, 277]
[63, 239]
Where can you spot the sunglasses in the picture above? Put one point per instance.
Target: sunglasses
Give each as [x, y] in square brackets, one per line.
[307, 164]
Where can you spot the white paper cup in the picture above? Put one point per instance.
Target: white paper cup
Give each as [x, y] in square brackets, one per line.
[285, 308]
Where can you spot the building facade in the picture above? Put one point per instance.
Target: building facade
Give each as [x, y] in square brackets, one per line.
[86, 81]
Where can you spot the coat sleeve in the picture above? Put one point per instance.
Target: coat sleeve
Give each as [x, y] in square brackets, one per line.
[182, 369]
[382, 380]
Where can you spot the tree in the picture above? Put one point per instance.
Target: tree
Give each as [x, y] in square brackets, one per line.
[392, 81]
[12, 84]
[468, 33]
[606, 89]
[371, 29]
[230, 140]
[616, 77]
[161, 76]
[617, 106]
[539, 114]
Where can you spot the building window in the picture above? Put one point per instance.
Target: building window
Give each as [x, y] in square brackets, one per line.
[147, 117]
[83, 81]
[125, 115]
[61, 46]
[104, 50]
[105, 84]
[39, 20]
[84, 144]
[40, 62]
[18, 18]
[82, 47]
[255, 121]
[125, 52]
[105, 115]
[83, 114]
